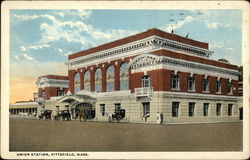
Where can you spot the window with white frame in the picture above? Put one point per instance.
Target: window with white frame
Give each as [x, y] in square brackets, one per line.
[205, 84]
[175, 109]
[146, 108]
[191, 83]
[98, 80]
[230, 87]
[102, 109]
[230, 109]
[87, 81]
[175, 83]
[218, 109]
[205, 109]
[218, 86]
[43, 94]
[77, 83]
[110, 78]
[124, 76]
[146, 81]
[191, 109]
[117, 107]
[60, 93]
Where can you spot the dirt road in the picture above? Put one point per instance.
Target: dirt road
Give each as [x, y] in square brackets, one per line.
[35, 135]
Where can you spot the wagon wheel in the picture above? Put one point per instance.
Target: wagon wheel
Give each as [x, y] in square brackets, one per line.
[110, 119]
[89, 117]
[119, 117]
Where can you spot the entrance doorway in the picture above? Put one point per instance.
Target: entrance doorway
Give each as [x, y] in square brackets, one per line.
[87, 109]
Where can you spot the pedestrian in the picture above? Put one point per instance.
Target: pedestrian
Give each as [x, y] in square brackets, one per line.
[158, 118]
[161, 118]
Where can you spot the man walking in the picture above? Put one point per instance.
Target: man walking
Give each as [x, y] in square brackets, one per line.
[161, 118]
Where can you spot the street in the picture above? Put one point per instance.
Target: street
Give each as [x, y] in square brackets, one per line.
[40, 135]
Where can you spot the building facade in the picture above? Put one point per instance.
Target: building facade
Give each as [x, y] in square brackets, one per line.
[147, 74]
[155, 72]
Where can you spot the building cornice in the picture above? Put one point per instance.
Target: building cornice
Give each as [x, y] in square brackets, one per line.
[147, 62]
[43, 82]
[146, 44]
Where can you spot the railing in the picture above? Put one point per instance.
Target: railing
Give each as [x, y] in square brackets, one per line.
[143, 92]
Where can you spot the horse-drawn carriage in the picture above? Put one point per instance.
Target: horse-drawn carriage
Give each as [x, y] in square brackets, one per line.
[63, 115]
[118, 115]
[46, 115]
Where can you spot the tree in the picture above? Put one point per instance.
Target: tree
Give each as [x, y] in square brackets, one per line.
[223, 60]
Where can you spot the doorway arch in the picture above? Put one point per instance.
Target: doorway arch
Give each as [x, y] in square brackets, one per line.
[86, 108]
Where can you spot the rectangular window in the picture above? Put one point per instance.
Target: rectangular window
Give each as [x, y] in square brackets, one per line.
[229, 87]
[191, 109]
[218, 86]
[102, 109]
[218, 109]
[146, 108]
[175, 108]
[205, 109]
[117, 107]
[191, 84]
[230, 109]
[60, 93]
[43, 94]
[205, 85]
[175, 82]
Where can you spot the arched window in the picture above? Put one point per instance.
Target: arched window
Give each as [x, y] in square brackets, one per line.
[146, 81]
[124, 79]
[77, 82]
[98, 80]
[87, 81]
[110, 78]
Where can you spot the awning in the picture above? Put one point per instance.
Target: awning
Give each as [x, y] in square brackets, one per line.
[77, 98]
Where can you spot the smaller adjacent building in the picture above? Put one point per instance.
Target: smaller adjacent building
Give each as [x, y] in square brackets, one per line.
[50, 88]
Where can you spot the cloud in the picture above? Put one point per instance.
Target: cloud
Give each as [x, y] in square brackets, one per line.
[178, 24]
[61, 14]
[16, 57]
[230, 49]
[78, 13]
[38, 46]
[60, 50]
[75, 30]
[27, 57]
[213, 25]
[34, 47]
[23, 48]
[26, 17]
[216, 44]
[79, 32]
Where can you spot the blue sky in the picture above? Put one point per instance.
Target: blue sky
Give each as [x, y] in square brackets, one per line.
[40, 40]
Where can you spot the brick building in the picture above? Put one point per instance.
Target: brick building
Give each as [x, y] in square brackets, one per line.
[146, 74]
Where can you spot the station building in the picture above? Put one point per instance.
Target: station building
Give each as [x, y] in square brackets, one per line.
[146, 74]
[50, 88]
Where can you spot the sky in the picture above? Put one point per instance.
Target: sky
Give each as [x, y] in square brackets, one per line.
[41, 40]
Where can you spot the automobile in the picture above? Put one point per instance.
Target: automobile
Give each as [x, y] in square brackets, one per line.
[46, 114]
[63, 115]
[118, 115]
